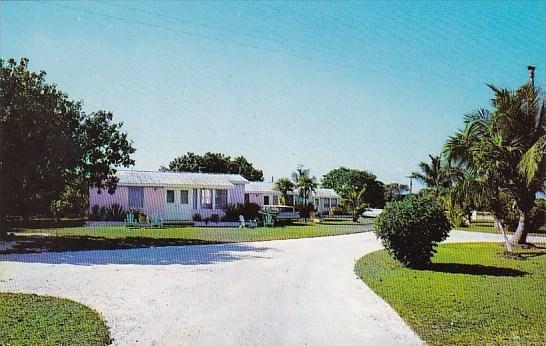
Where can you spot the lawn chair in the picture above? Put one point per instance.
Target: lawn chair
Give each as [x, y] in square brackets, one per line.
[130, 220]
[268, 220]
[156, 222]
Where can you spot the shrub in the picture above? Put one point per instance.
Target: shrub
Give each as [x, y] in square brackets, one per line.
[136, 213]
[535, 221]
[231, 212]
[197, 217]
[411, 229]
[335, 211]
[249, 211]
[94, 215]
[538, 216]
[303, 211]
[115, 212]
[214, 218]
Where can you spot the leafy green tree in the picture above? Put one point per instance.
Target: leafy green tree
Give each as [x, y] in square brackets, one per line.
[50, 146]
[342, 178]
[241, 165]
[504, 150]
[395, 191]
[214, 163]
[353, 200]
[306, 185]
[284, 186]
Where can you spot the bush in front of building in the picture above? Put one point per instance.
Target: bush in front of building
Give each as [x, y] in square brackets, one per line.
[411, 229]
[250, 211]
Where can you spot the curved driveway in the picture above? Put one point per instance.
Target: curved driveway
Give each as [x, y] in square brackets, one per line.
[289, 292]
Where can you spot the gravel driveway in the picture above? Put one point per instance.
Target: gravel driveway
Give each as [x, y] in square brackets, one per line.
[289, 292]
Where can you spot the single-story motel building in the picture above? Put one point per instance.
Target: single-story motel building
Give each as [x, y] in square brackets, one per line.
[178, 196]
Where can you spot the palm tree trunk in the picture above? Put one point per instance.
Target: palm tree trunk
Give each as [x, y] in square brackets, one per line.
[306, 209]
[520, 237]
[500, 228]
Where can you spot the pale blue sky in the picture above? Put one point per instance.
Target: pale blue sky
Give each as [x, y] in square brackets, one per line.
[369, 85]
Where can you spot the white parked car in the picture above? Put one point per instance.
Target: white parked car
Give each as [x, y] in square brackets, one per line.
[372, 212]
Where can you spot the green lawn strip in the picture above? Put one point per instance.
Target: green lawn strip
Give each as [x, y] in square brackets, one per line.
[87, 238]
[471, 295]
[488, 228]
[28, 319]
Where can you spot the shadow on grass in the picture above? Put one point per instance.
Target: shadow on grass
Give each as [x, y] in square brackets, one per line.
[85, 251]
[32, 244]
[473, 269]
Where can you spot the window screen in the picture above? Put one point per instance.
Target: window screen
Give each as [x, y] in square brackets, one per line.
[170, 196]
[136, 197]
[184, 197]
[206, 199]
[221, 199]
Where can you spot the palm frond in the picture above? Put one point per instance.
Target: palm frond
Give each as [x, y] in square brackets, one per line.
[532, 161]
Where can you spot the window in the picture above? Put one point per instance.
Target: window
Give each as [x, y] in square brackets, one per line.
[195, 196]
[316, 202]
[247, 197]
[334, 202]
[266, 200]
[220, 199]
[184, 197]
[206, 199]
[327, 203]
[170, 196]
[275, 200]
[136, 197]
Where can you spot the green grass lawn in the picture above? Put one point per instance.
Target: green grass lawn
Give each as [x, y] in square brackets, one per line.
[27, 319]
[470, 295]
[488, 228]
[86, 238]
[479, 227]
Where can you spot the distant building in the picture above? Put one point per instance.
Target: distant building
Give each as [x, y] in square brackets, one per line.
[178, 196]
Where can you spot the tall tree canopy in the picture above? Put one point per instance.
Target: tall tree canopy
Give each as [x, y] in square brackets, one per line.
[214, 163]
[341, 179]
[503, 150]
[395, 191]
[49, 146]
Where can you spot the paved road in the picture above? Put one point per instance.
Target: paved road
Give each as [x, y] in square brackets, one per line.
[289, 292]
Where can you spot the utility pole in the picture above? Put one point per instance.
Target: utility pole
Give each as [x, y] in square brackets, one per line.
[410, 183]
[531, 69]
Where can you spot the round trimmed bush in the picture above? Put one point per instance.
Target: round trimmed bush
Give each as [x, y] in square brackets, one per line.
[411, 229]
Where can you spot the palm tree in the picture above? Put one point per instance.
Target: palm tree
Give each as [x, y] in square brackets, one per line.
[306, 185]
[284, 185]
[436, 175]
[504, 152]
[483, 192]
[353, 199]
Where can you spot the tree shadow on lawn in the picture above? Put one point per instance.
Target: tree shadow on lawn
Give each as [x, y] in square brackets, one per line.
[132, 250]
[473, 269]
[33, 243]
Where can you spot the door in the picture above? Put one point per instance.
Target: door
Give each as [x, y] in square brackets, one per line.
[178, 204]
